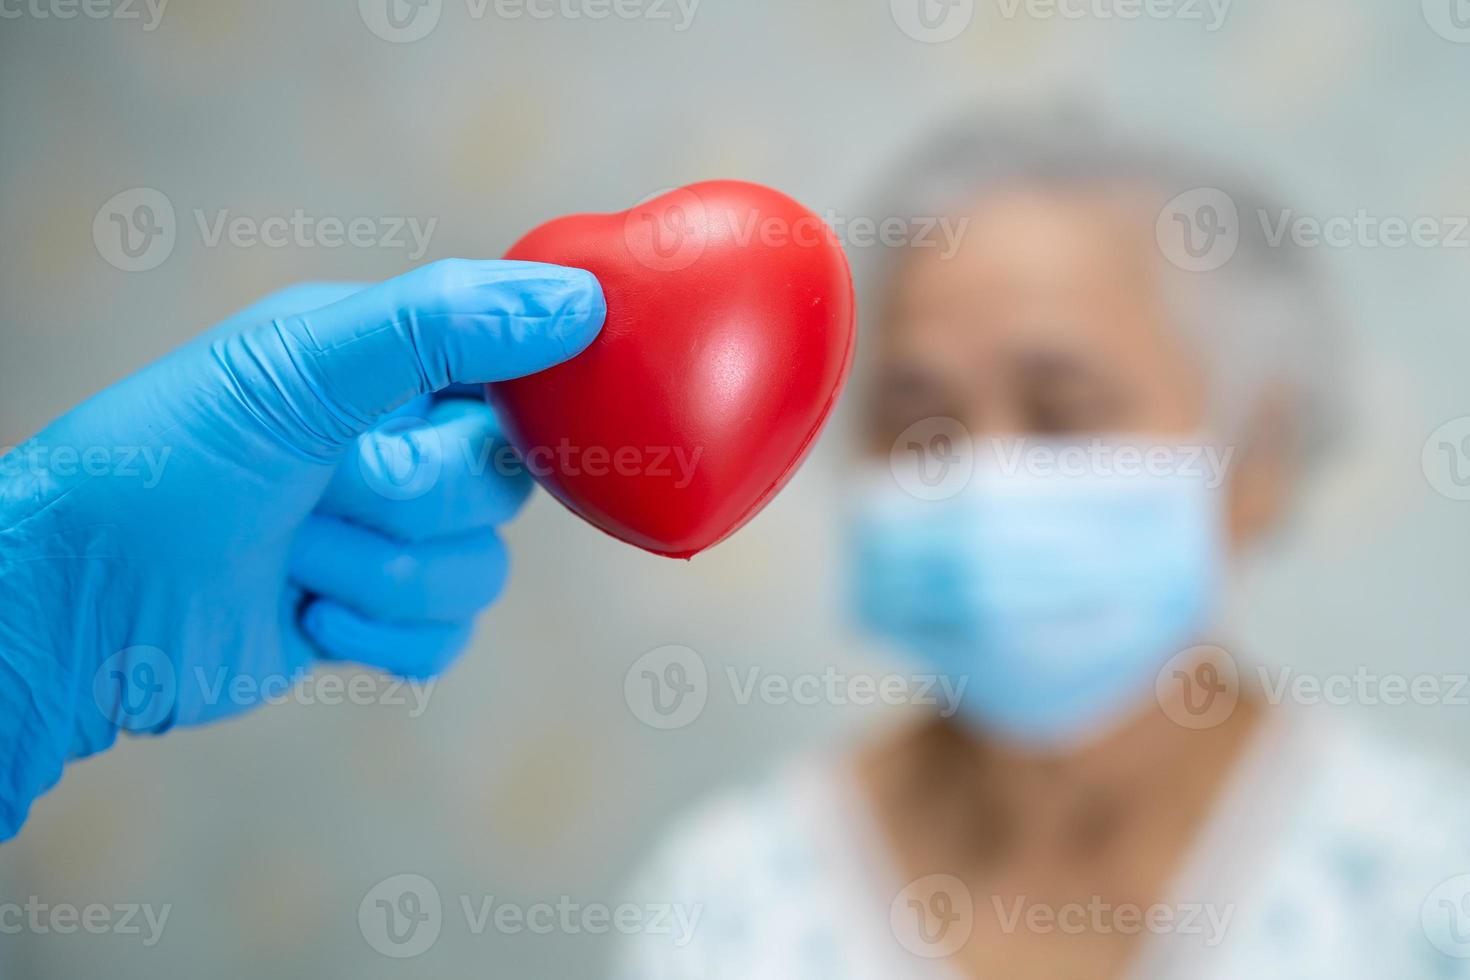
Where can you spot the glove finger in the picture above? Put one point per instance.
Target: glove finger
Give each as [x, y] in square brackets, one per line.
[325, 376]
[444, 580]
[286, 302]
[415, 652]
[418, 478]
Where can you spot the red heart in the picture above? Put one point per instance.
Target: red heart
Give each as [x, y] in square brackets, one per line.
[729, 335]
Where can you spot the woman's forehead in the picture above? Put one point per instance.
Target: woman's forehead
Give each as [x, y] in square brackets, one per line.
[1050, 267]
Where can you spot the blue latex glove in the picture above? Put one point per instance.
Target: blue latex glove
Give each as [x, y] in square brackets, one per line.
[186, 543]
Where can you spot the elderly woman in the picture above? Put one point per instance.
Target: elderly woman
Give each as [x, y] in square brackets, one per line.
[1073, 423]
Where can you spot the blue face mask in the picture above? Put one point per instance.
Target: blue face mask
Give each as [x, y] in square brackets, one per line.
[1055, 599]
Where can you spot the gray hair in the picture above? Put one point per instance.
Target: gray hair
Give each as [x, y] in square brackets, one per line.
[1260, 323]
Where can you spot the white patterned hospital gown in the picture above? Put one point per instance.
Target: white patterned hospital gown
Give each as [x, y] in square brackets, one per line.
[1335, 854]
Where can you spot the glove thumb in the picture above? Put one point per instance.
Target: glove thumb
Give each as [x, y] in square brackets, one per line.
[328, 375]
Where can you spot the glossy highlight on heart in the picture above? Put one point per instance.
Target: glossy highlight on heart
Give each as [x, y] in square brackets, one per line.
[730, 332]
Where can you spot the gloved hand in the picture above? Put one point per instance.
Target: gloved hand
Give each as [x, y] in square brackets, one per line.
[185, 544]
